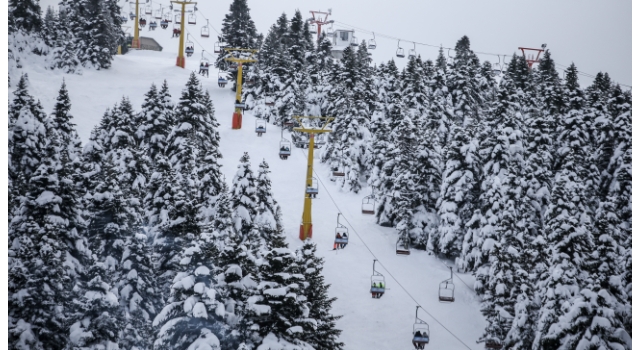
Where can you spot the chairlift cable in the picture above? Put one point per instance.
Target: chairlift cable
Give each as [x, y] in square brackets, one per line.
[362, 30]
[380, 262]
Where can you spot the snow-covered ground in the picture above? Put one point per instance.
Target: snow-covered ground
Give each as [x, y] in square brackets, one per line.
[367, 323]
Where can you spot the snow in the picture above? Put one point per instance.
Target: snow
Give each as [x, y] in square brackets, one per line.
[349, 270]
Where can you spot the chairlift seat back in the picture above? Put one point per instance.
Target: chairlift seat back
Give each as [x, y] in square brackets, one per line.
[311, 190]
[338, 173]
[421, 340]
[377, 290]
[342, 240]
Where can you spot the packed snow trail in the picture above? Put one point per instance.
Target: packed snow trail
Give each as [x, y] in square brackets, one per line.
[367, 323]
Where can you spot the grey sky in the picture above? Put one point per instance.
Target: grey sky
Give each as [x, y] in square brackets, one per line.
[594, 34]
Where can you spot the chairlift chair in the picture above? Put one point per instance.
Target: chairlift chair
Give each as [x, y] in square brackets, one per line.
[204, 65]
[217, 47]
[261, 126]
[177, 20]
[204, 32]
[268, 101]
[420, 332]
[164, 24]
[341, 235]
[285, 149]
[447, 289]
[354, 41]
[402, 246]
[378, 284]
[153, 25]
[312, 190]
[158, 13]
[167, 17]
[492, 344]
[400, 51]
[188, 47]
[132, 16]
[339, 172]
[176, 30]
[222, 80]
[412, 52]
[372, 42]
[192, 19]
[143, 22]
[368, 205]
[148, 10]
[240, 105]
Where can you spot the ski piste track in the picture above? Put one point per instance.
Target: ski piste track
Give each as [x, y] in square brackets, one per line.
[367, 323]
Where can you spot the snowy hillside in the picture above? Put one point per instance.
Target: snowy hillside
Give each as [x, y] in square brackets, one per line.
[367, 323]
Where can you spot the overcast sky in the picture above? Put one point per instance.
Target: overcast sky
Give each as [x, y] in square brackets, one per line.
[594, 34]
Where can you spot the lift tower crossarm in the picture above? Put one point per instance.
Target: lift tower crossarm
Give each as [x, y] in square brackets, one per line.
[306, 227]
[319, 21]
[180, 61]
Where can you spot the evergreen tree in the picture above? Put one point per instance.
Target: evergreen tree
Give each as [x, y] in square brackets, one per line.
[156, 120]
[25, 15]
[268, 220]
[243, 198]
[61, 122]
[325, 334]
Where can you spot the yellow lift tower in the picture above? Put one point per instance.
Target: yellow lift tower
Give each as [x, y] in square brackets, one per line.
[248, 54]
[311, 183]
[135, 43]
[180, 61]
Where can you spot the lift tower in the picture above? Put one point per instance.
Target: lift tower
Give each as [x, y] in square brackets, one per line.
[534, 56]
[135, 43]
[306, 227]
[319, 21]
[248, 54]
[180, 61]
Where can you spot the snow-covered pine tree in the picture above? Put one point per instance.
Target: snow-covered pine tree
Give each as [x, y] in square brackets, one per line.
[593, 318]
[27, 140]
[139, 294]
[463, 83]
[25, 15]
[49, 24]
[156, 120]
[64, 53]
[282, 300]
[268, 220]
[192, 317]
[61, 122]
[324, 336]
[39, 283]
[243, 198]
[574, 133]
[569, 242]
[456, 204]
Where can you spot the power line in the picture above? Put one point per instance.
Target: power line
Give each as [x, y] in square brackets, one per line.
[380, 262]
[366, 31]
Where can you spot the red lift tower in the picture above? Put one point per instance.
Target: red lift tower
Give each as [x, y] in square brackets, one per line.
[531, 53]
[319, 21]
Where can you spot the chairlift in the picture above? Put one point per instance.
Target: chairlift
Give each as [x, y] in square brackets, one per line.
[143, 22]
[177, 20]
[312, 190]
[269, 101]
[222, 80]
[372, 42]
[132, 16]
[447, 289]
[167, 17]
[412, 52]
[497, 68]
[164, 24]
[153, 25]
[378, 284]
[217, 47]
[192, 19]
[158, 13]
[261, 126]
[330, 30]
[176, 30]
[240, 105]
[354, 41]
[368, 204]
[420, 332]
[402, 246]
[148, 10]
[285, 149]
[400, 51]
[341, 235]
[188, 47]
[204, 32]
[204, 65]
[339, 172]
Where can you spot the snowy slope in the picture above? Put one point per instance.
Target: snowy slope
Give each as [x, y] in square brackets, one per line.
[368, 323]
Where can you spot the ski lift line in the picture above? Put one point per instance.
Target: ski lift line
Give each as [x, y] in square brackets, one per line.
[380, 262]
[362, 30]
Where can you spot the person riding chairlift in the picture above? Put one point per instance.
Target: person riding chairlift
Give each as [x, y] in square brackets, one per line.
[336, 244]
